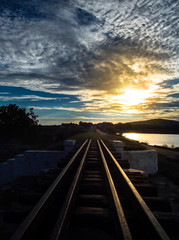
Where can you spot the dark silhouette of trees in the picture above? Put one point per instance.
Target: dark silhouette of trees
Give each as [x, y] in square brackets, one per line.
[106, 127]
[12, 116]
[86, 125]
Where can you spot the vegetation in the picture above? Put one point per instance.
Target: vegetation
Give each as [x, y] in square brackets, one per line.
[12, 116]
[15, 139]
[132, 145]
[149, 126]
[107, 127]
[19, 131]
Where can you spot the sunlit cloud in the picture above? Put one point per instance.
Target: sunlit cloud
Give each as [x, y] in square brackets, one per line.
[132, 97]
[113, 56]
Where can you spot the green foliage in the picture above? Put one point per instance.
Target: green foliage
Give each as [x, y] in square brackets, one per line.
[12, 116]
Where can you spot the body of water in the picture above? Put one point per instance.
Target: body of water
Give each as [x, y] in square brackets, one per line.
[170, 140]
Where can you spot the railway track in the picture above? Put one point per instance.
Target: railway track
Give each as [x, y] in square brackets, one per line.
[92, 198]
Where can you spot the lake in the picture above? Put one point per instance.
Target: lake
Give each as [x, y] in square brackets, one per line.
[155, 139]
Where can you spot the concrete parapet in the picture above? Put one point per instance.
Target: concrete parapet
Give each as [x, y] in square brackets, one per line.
[145, 160]
[12, 169]
[4, 173]
[20, 164]
[32, 162]
[69, 145]
[42, 159]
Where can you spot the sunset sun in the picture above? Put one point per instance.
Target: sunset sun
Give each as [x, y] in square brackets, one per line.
[86, 60]
[133, 96]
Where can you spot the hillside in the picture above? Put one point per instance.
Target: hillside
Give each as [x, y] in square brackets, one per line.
[156, 125]
[157, 122]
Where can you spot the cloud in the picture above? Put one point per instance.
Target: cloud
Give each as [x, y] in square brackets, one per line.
[170, 83]
[28, 97]
[174, 95]
[58, 108]
[4, 93]
[58, 50]
[84, 17]
[157, 107]
[91, 49]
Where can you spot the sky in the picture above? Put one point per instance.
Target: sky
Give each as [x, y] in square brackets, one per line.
[92, 61]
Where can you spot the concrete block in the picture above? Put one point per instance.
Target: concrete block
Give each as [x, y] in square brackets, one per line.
[20, 164]
[53, 158]
[30, 163]
[12, 169]
[118, 145]
[69, 145]
[40, 159]
[145, 160]
[4, 173]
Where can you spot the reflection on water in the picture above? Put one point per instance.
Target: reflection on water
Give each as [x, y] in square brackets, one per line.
[171, 140]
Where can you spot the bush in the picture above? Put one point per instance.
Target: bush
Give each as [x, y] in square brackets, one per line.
[12, 116]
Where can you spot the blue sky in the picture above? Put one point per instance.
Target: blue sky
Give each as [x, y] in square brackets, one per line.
[90, 60]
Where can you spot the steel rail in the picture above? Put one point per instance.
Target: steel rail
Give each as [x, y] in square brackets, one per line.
[26, 227]
[120, 214]
[62, 221]
[157, 230]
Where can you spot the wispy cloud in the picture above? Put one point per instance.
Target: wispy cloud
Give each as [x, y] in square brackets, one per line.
[58, 108]
[28, 97]
[4, 93]
[91, 49]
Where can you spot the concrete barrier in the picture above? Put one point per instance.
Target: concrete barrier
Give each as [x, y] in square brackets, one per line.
[41, 159]
[4, 173]
[12, 169]
[145, 160]
[69, 145]
[20, 161]
[118, 146]
[32, 162]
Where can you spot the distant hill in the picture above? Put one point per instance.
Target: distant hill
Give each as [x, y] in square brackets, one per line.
[157, 122]
[155, 125]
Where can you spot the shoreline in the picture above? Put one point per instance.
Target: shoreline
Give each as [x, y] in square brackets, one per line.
[169, 146]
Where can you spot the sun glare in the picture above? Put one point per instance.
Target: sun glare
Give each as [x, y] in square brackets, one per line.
[133, 97]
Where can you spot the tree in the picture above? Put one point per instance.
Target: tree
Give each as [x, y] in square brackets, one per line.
[85, 124]
[12, 116]
[107, 127]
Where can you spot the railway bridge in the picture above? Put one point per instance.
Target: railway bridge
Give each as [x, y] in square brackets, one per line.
[95, 197]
